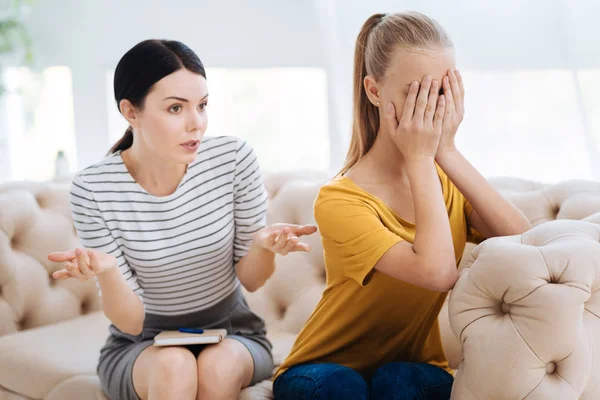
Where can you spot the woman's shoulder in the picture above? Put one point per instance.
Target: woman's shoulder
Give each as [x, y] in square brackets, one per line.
[219, 148]
[110, 165]
[341, 190]
[225, 142]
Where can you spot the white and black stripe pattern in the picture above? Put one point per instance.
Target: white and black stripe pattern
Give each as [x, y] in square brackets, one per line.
[177, 252]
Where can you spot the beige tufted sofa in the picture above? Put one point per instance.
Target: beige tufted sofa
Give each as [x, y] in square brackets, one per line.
[526, 308]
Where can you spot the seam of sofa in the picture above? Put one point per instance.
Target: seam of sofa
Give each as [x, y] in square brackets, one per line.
[15, 393]
[512, 322]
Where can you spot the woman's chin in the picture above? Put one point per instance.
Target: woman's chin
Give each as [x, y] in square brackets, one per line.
[187, 158]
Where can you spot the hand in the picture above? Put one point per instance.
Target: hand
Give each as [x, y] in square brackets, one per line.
[417, 135]
[82, 264]
[454, 91]
[284, 238]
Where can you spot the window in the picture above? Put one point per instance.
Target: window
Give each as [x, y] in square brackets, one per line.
[36, 124]
[529, 124]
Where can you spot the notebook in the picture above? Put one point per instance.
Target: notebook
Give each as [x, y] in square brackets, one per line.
[176, 338]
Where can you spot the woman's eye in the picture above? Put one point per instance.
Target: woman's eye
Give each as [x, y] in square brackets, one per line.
[202, 106]
[175, 109]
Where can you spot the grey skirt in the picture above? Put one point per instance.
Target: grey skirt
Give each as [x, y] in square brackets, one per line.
[118, 355]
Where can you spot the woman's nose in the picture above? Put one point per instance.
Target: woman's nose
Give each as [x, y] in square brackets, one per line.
[197, 121]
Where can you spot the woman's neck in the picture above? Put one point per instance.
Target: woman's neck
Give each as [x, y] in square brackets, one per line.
[384, 162]
[157, 175]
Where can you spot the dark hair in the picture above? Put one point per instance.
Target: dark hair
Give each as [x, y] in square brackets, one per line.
[144, 65]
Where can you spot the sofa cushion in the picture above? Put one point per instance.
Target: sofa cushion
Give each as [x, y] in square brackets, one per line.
[35, 361]
[527, 312]
[35, 220]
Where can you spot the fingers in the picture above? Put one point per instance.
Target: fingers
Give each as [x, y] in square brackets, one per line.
[61, 274]
[86, 268]
[94, 262]
[409, 104]
[291, 243]
[74, 271]
[432, 101]
[272, 238]
[81, 258]
[439, 114]
[61, 256]
[281, 240]
[461, 85]
[449, 98]
[302, 247]
[77, 264]
[390, 117]
[422, 99]
[302, 230]
[456, 92]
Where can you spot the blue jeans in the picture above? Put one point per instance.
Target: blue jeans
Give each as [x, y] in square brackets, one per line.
[393, 381]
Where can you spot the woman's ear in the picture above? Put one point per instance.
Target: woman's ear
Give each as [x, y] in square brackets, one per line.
[372, 90]
[129, 112]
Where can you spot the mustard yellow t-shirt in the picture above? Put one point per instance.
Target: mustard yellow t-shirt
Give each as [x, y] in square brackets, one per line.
[365, 318]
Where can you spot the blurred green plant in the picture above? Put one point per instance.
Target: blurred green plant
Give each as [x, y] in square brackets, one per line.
[15, 40]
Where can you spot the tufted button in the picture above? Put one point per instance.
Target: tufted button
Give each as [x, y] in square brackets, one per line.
[14, 243]
[550, 368]
[505, 308]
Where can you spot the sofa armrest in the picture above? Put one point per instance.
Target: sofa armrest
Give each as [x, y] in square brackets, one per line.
[527, 315]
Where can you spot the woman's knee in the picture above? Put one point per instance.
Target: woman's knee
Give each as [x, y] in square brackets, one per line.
[320, 382]
[175, 364]
[228, 364]
[169, 369]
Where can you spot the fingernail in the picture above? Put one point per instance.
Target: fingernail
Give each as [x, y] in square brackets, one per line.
[390, 108]
[78, 252]
[415, 84]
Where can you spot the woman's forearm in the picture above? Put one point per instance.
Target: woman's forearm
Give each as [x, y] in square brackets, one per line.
[498, 217]
[433, 237]
[121, 305]
[256, 267]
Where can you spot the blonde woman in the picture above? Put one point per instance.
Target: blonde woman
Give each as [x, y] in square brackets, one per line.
[394, 224]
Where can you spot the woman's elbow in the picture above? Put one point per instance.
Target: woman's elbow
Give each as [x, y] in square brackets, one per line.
[518, 228]
[252, 287]
[446, 281]
[525, 226]
[133, 330]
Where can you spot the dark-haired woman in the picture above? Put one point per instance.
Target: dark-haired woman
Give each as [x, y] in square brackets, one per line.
[171, 224]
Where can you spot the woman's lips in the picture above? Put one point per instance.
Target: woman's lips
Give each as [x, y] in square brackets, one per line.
[191, 145]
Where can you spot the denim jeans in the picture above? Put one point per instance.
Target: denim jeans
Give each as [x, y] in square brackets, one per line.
[393, 381]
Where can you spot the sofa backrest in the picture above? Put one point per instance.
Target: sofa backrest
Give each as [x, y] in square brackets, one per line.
[35, 220]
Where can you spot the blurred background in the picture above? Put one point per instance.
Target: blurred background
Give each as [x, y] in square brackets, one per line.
[280, 76]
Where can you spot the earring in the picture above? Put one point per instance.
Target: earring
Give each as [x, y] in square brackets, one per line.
[377, 104]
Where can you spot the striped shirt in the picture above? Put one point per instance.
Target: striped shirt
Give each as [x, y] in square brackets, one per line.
[177, 252]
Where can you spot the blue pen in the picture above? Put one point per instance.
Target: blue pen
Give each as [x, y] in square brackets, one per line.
[191, 330]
